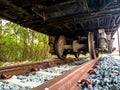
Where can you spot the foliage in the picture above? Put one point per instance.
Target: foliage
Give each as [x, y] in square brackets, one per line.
[1, 63]
[19, 44]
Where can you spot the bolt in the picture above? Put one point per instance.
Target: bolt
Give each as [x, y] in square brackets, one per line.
[35, 69]
[87, 81]
[5, 76]
[92, 71]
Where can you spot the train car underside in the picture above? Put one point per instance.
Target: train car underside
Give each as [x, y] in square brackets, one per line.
[74, 26]
[61, 45]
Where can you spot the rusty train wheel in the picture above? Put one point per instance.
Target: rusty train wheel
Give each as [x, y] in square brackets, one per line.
[59, 47]
[91, 46]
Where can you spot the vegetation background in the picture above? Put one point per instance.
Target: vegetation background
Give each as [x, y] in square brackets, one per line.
[20, 44]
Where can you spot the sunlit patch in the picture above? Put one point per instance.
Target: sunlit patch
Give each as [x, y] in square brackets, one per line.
[4, 22]
[115, 44]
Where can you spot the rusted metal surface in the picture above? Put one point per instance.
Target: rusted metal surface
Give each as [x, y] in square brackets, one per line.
[118, 41]
[59, 47]
[68, 81]
[7, 72]
[91, 45]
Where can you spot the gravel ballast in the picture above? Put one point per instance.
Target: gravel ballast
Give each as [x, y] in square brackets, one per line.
[107, 75]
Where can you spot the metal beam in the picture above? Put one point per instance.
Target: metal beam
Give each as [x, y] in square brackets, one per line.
[71, 18]
[118, 41]
[106, 4]
[86, 5]
[15, 9]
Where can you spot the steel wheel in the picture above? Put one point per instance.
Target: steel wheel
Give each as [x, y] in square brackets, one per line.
[76, 54]
[91, 46]
[59, 47]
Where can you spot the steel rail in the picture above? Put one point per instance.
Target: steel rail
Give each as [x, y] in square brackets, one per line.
[8, 71]
[68, 81]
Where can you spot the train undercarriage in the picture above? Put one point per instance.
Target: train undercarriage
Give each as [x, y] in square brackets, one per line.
[74, 26]
[102, 43]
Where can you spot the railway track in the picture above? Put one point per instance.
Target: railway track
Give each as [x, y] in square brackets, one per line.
[71, 76]
[7, 71]
[68, 81]
[22, 81]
